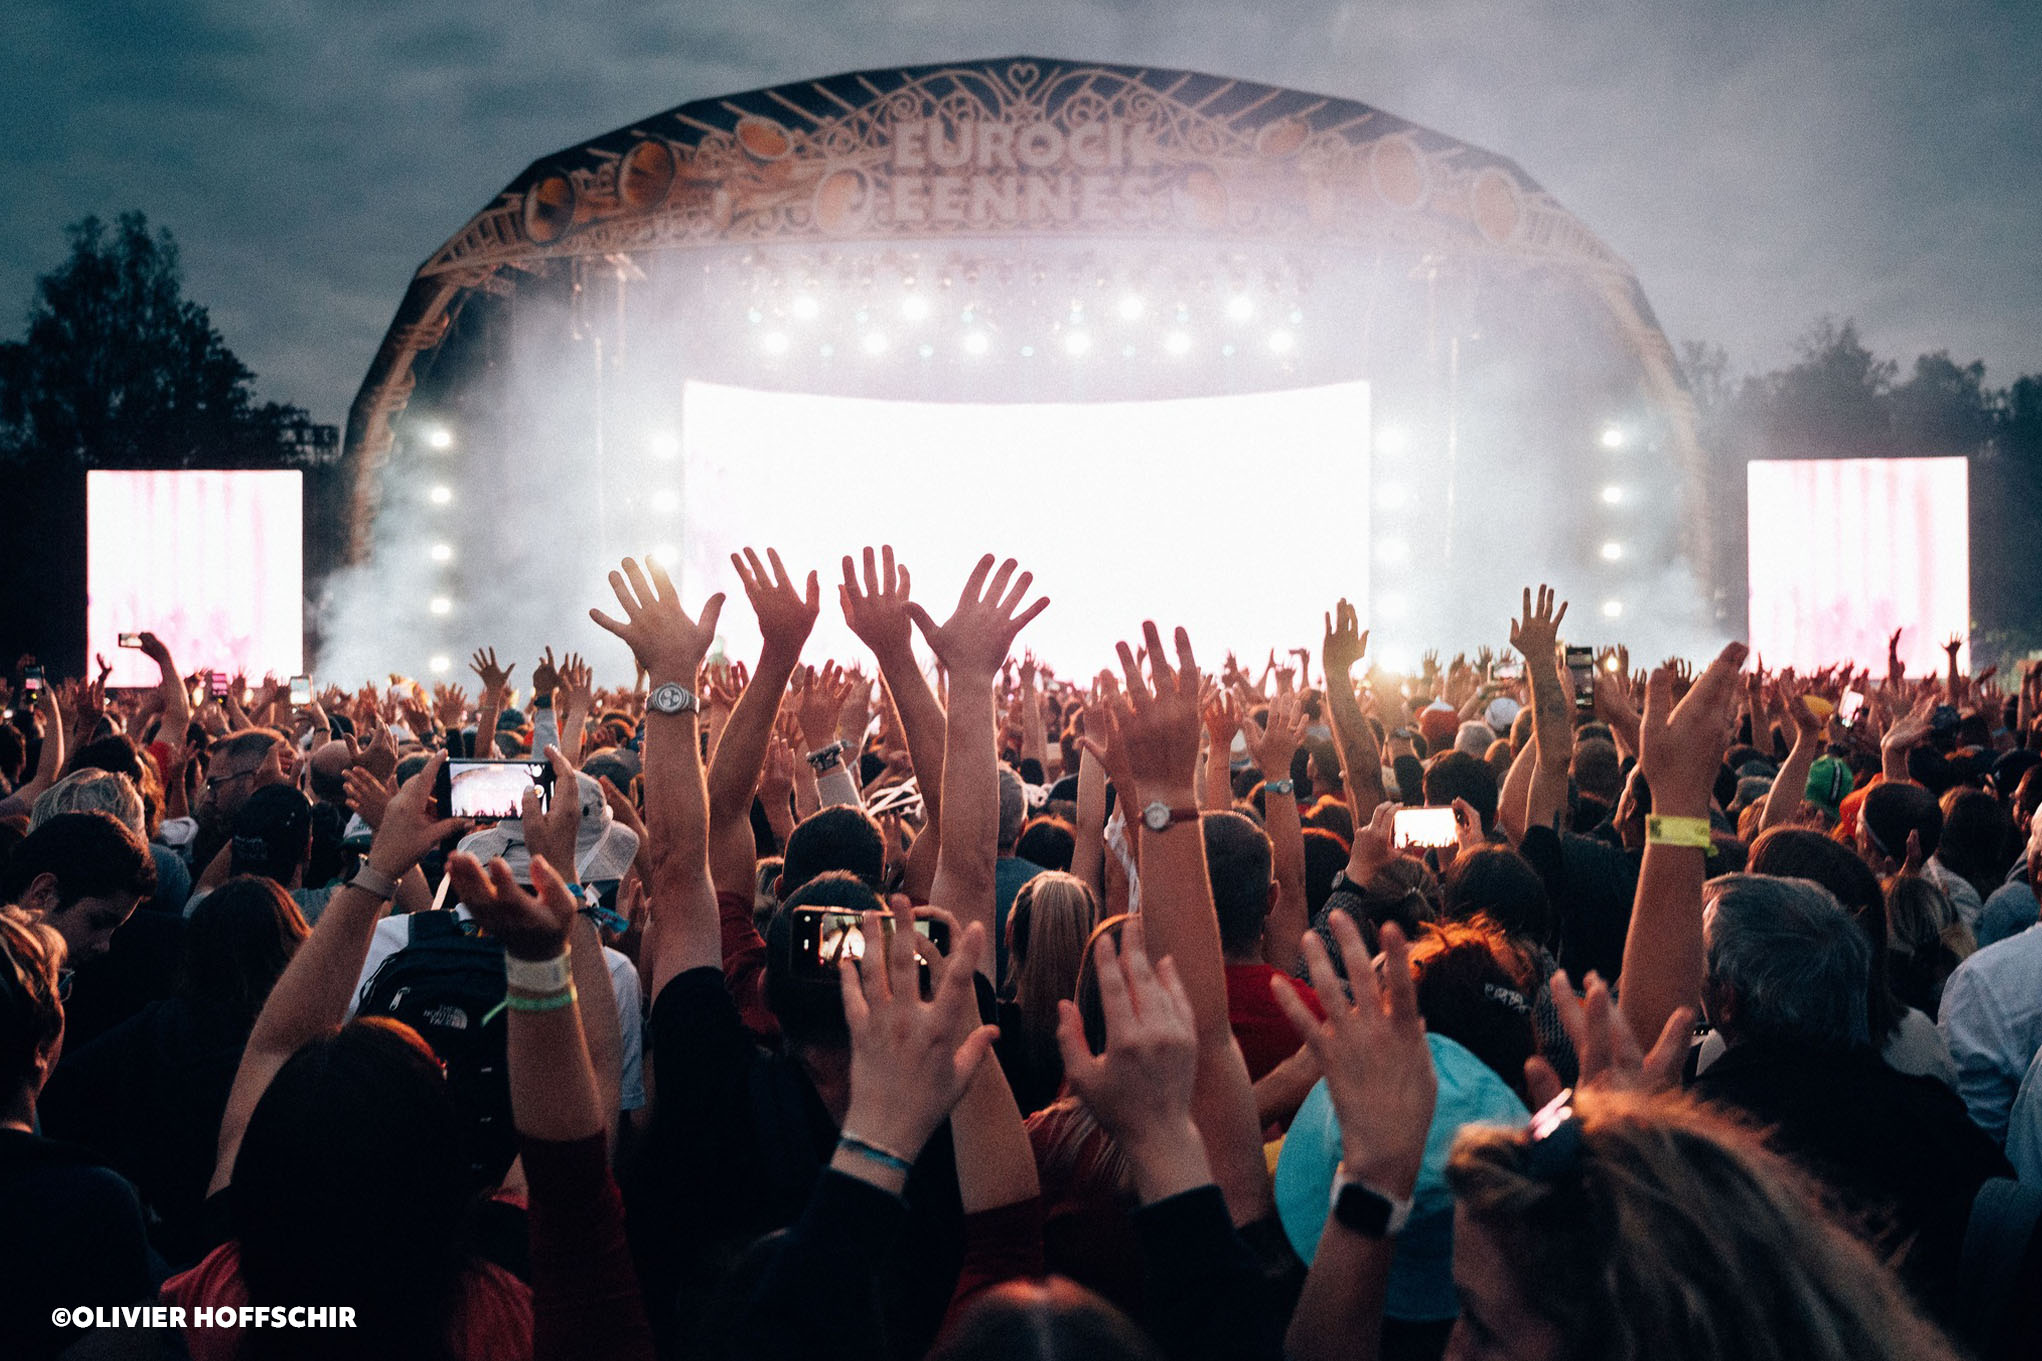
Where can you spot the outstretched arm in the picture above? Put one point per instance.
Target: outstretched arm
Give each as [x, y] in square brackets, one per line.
[1361, 761]
[669, 646]
[1536, 636]
[878, 613]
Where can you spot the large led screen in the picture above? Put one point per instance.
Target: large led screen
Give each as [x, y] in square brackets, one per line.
[1239, 517]
[210, 562]
[1844, 551]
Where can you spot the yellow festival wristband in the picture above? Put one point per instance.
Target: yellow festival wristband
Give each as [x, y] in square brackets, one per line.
[1693, 832]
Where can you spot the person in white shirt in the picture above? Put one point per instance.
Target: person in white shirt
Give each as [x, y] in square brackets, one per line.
[1992, 1020]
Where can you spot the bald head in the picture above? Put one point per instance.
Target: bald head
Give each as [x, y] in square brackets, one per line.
[329, 772]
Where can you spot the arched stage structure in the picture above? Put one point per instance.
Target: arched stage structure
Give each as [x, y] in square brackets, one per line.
[1034, 231]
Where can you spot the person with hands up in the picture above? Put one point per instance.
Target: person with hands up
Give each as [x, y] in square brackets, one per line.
[1361, 761]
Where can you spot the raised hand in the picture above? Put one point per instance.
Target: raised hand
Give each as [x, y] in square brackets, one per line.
[1377, 1063]
[1606, 1047]
[785, 615]
[908, 1065]
[975, 639]
[1680, 746]
[577, 682]
[1536, 632]
[495, 679]
[1140, 1088]
[410, 826]
[1157, 721]
[668, 645]
[531, 925]
[552, 831]
[546, 675]
[878, 614]
[1271, 748]
[821, 696]
[1345, 644]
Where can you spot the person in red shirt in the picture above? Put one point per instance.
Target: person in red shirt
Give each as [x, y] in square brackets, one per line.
[1238, 861]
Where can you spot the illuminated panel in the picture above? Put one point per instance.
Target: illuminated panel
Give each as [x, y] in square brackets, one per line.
[1239, 517]
[1844, 551]
[211, 562]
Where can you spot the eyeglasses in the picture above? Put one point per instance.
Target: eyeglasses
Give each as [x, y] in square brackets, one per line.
[213, 782]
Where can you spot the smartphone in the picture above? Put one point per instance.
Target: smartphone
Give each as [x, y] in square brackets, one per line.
[1581, 666]
[216, 683]
[131, 640]
[1507, 669]
[31, 679]
[301, 690]
[473, 788]
[824, 936]
[1423, 827]
[1848, 708]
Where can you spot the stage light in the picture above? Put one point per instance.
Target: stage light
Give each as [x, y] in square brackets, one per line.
[1612, 550]
[666, 500]
[1177, 342]
[977, 343]
[1281, 341]
[1612, 438]
[1227, 350]
[1131, 308]
[1077, 344]
[1612, 609]
[1127, 352]
[774, 342]
[1612, 494]
[1610, 663]
[1393, 496]
[1393, 439]
[666, 555]
[754, 316]
[1240, 307]
[805, 307]
[443, 552]
[441, 495]
[1393, 550]
[1028, 352]
[914, 307]
[663, 444]
[439, 604]
[874, 342]
[926, 350]
[439, 437]
[440, 665]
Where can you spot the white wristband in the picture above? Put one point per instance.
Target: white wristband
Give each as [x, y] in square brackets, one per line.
[538, 975]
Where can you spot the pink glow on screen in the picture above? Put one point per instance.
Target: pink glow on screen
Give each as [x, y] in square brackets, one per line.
[1844, 551]
[210, 562]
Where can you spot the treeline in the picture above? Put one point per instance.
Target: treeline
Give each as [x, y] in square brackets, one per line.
[1839, 400]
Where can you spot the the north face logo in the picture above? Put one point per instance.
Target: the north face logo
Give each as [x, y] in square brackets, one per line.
[447, 1018]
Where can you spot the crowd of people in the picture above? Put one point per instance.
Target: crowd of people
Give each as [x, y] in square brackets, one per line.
[929, 1003]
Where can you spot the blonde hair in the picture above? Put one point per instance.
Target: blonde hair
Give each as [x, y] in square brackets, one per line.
[1052, 920]
[31, 1014]
[1676, 1234]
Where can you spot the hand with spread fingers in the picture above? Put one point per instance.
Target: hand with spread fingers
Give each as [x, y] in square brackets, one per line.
[975, 639]
[1606, 1048]
[667, 643]
[786, 615]
[532, 923]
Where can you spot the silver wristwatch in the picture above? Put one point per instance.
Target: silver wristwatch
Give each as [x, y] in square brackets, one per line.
[671, 698]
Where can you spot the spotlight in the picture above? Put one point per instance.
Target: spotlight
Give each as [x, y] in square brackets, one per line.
[1028, 352]
[1281, 341]
[1077, 344]
[1131, 308]
[774, 342]
[1612, 609]
[1393, 439]
[1393, 550]
[1612, 437]
[978, 342]
[440, 665]
[441, 495]
[805, 307]
[439, 604]
[874, 342]
[443, 552]
[1227, 350]
[1612, 495]
[1177, 342]
[1611, 665]
[1612, 550]
[1240, 307]
[914, 307]
[926, 350]
[439, 437]
[663, 444]
[666, 500]
[666, 555]
[1392, 496]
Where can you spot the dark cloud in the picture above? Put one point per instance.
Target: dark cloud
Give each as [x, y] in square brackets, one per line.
[1759, 164]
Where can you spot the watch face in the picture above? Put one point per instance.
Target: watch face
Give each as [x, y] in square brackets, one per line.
[670, 699]
[1157, 815]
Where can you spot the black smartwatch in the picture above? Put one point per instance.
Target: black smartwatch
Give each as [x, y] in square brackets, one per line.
[1366, 1211]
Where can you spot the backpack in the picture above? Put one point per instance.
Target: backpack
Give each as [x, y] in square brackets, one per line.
[447, 983]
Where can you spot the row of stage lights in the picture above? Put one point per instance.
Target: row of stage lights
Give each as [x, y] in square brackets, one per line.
[1131, 326]
[1394, 551]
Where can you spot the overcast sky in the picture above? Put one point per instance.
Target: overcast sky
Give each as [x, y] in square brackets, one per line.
[1760, 164]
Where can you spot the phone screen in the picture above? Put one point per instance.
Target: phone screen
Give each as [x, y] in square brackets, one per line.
[492, 789]
[31, 679]
[1847, 709]
[217, 682]
[131, 640]
[1424, 827]
[826, 936]
[301, 689]
[1581, 666]
[1506, 671]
